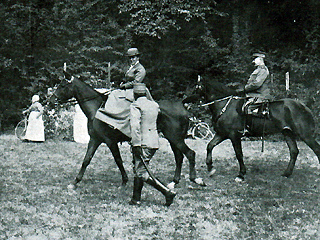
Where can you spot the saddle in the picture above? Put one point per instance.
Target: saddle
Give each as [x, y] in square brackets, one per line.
[260, 110]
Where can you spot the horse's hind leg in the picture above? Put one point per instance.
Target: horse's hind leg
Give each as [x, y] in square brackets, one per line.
[91, 149]
[181, 147]
[178, 156]
[216, 140]
[312, 143]
[294, 151]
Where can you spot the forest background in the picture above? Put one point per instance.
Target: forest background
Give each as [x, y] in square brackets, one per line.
[178, 39]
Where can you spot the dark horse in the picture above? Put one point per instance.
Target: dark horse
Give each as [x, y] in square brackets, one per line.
[172, 121]
[287, 116]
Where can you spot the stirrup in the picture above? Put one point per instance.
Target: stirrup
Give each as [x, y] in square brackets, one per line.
[244, 132]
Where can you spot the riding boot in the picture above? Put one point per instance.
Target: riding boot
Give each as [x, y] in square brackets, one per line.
[169, 195]
[137, 188]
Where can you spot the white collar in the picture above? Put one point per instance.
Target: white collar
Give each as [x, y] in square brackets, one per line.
[132, 66]
[135, 63]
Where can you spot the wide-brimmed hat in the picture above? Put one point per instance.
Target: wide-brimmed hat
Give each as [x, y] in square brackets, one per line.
[259, 55]
[139, 88]
[133, 52]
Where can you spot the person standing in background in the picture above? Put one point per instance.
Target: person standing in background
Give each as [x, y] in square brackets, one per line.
[35, 127]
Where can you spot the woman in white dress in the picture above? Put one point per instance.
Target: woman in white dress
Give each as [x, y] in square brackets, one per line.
[35, 127]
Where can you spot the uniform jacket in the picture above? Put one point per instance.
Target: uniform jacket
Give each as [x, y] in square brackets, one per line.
[258, 83]
[135, 74]
[143, 122]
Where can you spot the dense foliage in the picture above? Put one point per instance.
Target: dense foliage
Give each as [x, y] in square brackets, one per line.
[179, 40]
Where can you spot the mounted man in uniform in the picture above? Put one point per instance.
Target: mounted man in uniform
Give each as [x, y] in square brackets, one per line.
[257, 88]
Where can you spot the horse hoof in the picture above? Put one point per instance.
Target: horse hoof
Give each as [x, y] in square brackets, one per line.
[72, 187]
[287, 175]
[171, 185]
[200, 182]
[213, 171]
[239, 179]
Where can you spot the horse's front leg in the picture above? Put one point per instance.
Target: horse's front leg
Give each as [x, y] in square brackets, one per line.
[236, 143]
[113, 146]
[216, 140]
[91, 149]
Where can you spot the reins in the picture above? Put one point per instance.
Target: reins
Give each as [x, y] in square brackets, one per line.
[219, 100]
[73, 100]
[225, 106]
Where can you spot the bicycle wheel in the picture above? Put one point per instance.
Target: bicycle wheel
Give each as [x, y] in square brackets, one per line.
[21, 128]
[201, 131]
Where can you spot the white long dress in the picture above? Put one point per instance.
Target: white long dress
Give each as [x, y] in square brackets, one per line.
[80, 128]
[35, 128]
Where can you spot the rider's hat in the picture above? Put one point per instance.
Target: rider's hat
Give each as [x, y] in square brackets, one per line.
[133, 52]
[259, 55]
[139, 88]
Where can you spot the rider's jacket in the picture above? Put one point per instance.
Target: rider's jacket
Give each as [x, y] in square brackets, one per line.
[258, 83]
[135, 74]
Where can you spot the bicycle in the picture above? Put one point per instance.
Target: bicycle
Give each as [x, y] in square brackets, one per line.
[21, 128]
[199, 130]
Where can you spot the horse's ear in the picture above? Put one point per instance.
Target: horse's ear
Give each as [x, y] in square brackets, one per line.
[199, 84]
[67, 75]
[70, 80]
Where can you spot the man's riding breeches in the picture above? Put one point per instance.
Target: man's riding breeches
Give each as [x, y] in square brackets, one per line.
[138, 168]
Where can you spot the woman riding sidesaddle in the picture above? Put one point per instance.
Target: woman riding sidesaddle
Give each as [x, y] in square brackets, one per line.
[116, 110]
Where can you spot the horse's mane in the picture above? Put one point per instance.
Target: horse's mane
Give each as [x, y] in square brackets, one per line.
[81, 81]
[217, 89]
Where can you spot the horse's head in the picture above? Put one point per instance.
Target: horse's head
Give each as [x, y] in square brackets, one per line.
[63, 91]
[196, 94]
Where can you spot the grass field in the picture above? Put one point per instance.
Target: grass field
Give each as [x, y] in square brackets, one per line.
[35, 202]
